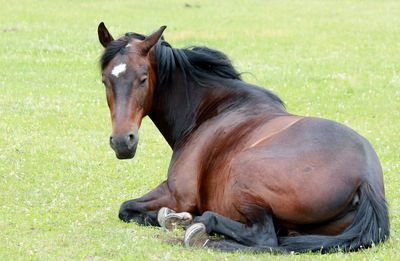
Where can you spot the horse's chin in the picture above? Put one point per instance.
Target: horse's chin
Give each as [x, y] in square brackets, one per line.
[124, 156]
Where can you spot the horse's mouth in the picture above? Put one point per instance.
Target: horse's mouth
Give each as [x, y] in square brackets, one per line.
[123, 156]
[125, 153]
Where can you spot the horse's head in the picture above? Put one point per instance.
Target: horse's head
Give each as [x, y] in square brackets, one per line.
[129, 80]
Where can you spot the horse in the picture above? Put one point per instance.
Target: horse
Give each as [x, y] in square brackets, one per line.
[242, 166]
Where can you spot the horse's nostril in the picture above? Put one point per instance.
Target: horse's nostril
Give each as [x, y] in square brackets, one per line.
[111, 139]
[131, 137]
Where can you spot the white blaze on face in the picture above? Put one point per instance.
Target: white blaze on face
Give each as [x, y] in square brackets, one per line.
[117, 70]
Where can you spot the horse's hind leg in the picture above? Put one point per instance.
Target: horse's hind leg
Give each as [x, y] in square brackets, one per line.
[260, 234]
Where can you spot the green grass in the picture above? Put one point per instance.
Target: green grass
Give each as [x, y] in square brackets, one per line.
[61, 185]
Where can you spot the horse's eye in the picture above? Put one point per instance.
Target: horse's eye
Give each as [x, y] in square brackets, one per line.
[143, 79]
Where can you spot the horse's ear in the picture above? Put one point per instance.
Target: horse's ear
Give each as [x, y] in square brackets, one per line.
[152, 39]
[104, 36]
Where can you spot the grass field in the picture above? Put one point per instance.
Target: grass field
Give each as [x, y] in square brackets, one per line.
[61, 185]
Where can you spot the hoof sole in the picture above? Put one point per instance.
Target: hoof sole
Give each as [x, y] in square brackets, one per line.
[196, 236]
[169, 219]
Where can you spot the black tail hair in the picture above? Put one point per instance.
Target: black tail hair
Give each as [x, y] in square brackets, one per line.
[370, 226]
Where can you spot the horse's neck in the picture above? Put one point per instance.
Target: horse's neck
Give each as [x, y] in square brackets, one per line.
[173, 112]
[178, 114]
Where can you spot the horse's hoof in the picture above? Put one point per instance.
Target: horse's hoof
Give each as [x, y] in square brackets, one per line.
[162, 214]
[196, 236]
[169, 219]
[174, 220]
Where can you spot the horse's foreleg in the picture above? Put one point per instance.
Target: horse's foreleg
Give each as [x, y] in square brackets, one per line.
[258, 234]
[144, 210]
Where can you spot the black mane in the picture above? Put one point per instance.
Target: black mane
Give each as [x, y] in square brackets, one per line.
[200, 64]
[203, 65]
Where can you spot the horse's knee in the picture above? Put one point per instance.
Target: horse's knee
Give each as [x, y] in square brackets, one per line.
[125, 213]
[128, 213]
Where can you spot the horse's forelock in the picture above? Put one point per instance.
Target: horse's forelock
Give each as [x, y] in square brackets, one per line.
[118, 46]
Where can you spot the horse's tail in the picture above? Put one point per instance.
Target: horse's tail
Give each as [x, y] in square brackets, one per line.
[370, 226]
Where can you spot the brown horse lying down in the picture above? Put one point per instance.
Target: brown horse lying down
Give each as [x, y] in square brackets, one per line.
[242, 165]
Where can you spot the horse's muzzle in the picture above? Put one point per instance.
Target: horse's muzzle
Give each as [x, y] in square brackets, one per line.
[124, 145]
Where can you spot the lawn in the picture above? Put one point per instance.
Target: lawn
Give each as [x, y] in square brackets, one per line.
[61, 185]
